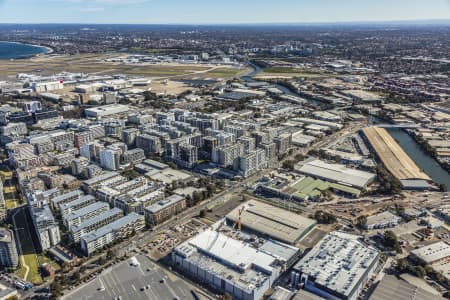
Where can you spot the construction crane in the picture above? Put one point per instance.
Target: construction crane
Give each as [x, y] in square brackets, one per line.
[239, 220]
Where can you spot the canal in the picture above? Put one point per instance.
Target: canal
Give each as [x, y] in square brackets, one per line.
[425, 161]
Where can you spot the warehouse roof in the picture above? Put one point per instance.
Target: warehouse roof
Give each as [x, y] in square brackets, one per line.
[433, 252]
[305, 295]
[382, 218]
[338, 262]
[337, 173]
[278, 223]
[391, 288]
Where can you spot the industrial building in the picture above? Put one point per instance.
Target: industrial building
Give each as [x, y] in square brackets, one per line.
[106, 110]
[385, 219]
[392, 288]
[338, 267]
[270, 221]
[432, 254]
[337, 173]
[232, 266]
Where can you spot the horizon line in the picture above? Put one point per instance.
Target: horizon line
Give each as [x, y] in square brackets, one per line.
[356, 22]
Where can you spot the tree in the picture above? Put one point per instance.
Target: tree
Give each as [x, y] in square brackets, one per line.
[391, 241]
[299, 157]
[197, 197]
[110, 254]
[402, 265]
[388, 184]
[189, 200]
[324, 217]
[443, 187]
[361, 221]
[56, 289]
[289, 164]
[418, 271]
[202, 213]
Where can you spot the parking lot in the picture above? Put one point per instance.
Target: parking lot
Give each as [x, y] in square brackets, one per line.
[134, 280]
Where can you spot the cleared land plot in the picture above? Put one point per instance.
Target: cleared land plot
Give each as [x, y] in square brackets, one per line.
[392, 155]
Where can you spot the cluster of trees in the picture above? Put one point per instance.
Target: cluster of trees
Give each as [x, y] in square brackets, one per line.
[390, 241]
[156, 101]
[211, 187]
[361, 221]
[404, 266]
[290, 164]
[324, 217]
[388, 184]
[321, 153]
[215, 106]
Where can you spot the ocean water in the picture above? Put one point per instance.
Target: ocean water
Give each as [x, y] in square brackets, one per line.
[15, 50]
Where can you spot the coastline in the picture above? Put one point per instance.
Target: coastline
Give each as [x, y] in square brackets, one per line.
[45, 50]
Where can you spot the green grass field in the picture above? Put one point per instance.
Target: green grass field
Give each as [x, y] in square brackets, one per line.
[6, 174]
[28, 249]
[287, 72]
[223, 73]
[11, 203]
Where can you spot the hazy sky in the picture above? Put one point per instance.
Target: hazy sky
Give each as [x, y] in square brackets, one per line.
[219, 11]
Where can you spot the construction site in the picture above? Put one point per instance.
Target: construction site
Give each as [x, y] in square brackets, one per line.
[392, 155]
[165, 242]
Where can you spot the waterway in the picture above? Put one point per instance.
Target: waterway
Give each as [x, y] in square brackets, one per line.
[10, 50]
[426, 162]
[256, 70]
